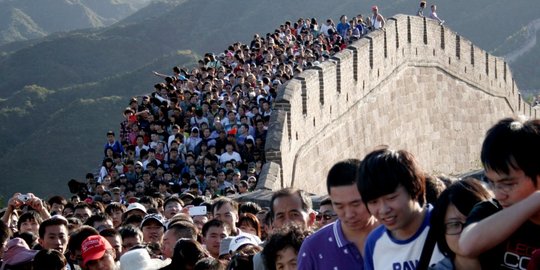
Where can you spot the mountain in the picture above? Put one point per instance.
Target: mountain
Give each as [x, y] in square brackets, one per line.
[29, 19]
[59, 94]
[58, 134]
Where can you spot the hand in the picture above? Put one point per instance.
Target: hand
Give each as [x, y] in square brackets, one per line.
[14, 202]
[185, 209]
[35, 202]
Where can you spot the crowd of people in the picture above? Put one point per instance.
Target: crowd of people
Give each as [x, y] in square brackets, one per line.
[203, 130]
[164, 195]
[382, 212]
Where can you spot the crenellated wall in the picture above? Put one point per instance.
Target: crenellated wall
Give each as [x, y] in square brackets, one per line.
[417, 86]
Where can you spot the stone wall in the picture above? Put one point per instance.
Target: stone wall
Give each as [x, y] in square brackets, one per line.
[417, 86]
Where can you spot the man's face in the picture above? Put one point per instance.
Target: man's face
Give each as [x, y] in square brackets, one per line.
[348, 205]
[172, 208]
[55, 237]
[104, 263]
[105, 224]
[110, 138]
[288, 210]
[116, 216]
[199, 221]
[397, 211]
[227, 214]
[129, 242]
[169, 241]
[116, 197]
[213, 238]
[152, 232]
[106, 198]
[512, 187]
[58, 208]
[82, 213]
[116, 243]
[326, 215]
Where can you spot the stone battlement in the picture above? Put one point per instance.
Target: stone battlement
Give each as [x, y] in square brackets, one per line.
[417, 86]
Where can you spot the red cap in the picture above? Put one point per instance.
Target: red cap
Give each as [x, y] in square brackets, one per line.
[93, 248]
[374, 8]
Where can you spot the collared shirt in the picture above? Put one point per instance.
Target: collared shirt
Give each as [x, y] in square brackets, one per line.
[329, 249]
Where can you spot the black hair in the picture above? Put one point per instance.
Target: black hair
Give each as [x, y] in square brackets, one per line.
[30, 215]
[54, 221]
[109, 232]
[219, 202]
[209, 263]
[128, 231]
[307, 204]
[343, 173]
[99, 217]
[326, 201]
[49, 259]
[463, 194]
[78, 236]
[249, 207]
[512, 144]
[57, 199]
[186, 254]
[183, 229]
[290, 236]
[28, 237]
[213, 223]
[114, 206]
[383, 171]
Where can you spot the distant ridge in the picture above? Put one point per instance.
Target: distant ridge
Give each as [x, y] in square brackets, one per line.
[29, 19]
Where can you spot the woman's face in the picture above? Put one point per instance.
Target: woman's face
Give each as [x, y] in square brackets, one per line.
[245, 227]
[453, 221]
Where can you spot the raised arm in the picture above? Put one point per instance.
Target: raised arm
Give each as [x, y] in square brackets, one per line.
[13, 204]
[485, 234]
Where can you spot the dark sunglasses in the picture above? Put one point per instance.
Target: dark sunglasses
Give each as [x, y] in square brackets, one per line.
[325, 217]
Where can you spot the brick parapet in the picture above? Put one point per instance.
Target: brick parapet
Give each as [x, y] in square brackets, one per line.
[425, 81]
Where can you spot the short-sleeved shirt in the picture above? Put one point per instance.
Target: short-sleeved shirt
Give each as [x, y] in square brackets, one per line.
[516, 251]
[329, 249]
[383, 251]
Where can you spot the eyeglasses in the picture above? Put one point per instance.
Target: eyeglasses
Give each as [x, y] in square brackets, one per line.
[453, 228]
[506, 186]
[502, 186]
[326, 217]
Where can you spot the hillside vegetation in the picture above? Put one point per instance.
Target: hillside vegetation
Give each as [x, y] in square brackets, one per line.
[59, 94]
[29, 19]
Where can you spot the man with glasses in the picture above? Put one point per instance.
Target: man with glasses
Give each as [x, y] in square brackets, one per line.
[504, 234]
[326, 213]
[344, 239]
